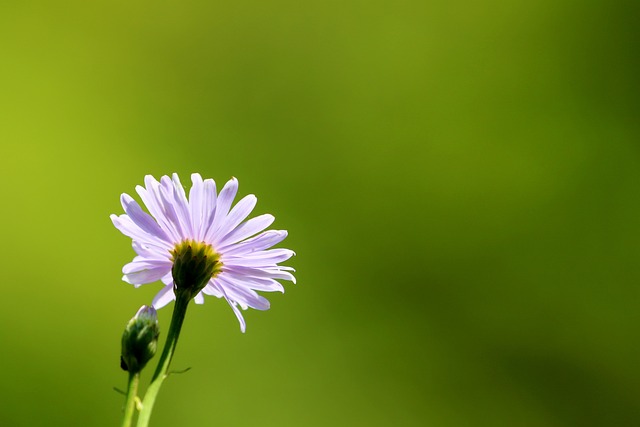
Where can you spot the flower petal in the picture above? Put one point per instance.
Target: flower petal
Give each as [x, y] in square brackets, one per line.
[150, 195]
[151, 252]
[233, 305]
[257, 283]
[238, 214]
[164, 297]
[141, 263]
[262, 258]
[141, 218]
[171, 207]
[260, 242]
[143, 277]
[182, 205]
[208, 207]
[212, 289]
[196, 200]
[244, 296]
[246, 229]
[223, 204]
[199, 299]
[130, 229]
[243, 325]
[270, 273]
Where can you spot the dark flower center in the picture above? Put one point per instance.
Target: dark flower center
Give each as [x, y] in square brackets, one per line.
[194, 264]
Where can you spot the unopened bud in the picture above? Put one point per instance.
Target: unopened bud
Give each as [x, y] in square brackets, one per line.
[139, 340]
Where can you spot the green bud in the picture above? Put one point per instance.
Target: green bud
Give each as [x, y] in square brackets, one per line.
[194, 264]
[139, 340]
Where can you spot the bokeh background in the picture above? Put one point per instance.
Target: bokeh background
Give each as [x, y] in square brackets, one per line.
[460, 180]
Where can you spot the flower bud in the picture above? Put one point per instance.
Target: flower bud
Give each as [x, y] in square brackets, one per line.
[139, 340]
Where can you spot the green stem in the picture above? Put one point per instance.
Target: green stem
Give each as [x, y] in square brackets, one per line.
[132, 393]
[179, 311]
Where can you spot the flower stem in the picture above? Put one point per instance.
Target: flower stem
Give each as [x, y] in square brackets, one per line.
[179, 311]
[132, 393]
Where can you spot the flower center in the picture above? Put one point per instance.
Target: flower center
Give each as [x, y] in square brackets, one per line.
[194, 264]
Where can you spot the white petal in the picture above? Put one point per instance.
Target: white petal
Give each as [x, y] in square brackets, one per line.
[140, 264]
[261, 258]
[130, 229]
[234, 307]
[196, 200]
[164, 297]
[243, 325]
[257, 283]
[151, 198]
[212, 289]
[168, 278]
[208, 207]
[243, 295]
[260, 242]
[271, 273]
[145, 276]
[223, 204]
[151, 252]
[141, 218]
[199, 299]
[153, 201]
[246, 229]
[238, 214]
[171, 207]
[182, 205]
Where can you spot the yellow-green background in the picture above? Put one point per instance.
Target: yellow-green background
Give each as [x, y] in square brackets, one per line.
[460, 180]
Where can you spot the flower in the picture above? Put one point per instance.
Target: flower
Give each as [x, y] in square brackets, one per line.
[201, 245]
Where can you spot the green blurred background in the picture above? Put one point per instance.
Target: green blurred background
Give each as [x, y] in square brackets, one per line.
[460, 181]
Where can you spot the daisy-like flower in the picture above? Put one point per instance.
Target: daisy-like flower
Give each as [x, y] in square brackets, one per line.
[201, 245]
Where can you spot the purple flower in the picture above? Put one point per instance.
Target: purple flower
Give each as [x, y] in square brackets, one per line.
[240, 261]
